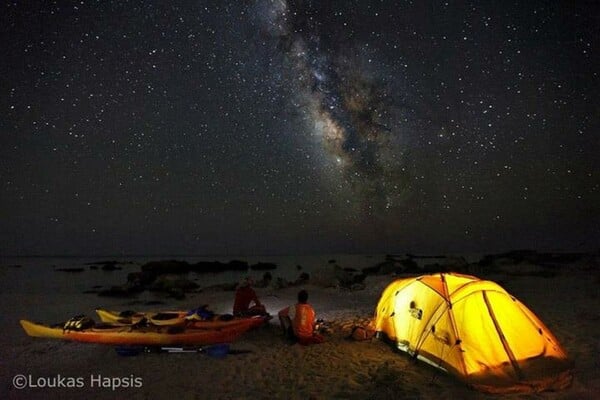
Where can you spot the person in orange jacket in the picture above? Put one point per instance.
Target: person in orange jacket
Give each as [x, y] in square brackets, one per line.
[244, 296]
[299, 321]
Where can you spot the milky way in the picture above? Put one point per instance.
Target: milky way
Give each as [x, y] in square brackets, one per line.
[348, 105]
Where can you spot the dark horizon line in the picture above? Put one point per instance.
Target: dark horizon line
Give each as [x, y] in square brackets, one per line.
[187, 255]
[418, 254]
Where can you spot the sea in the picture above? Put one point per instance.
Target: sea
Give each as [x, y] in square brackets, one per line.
[33, 275]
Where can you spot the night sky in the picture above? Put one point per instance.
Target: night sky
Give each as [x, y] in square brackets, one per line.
[285, 127]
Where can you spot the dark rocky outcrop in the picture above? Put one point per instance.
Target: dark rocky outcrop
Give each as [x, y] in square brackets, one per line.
[262, 266]
[108, 265]
[447, 264]
[302, 279]
[280, 282]
[348, 277]
[167, 267]
[168, 284]
[165, 276]
[548, 260]
[176, 293]
[117, 291]
[398, 265]
[409, 266]
[217, 266]
[433, 268]
[75, 269]
[142, 278]
[392, 266]
[227, 287]
[154, 303]
[266, 280]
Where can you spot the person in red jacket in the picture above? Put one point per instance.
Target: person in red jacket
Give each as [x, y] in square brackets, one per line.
[244, 296]
[299, 320]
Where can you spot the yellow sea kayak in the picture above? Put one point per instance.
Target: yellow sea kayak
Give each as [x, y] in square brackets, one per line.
[171, 318]
[145, 336]
[132, 317]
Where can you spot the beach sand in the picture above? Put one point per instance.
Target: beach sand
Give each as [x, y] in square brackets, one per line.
[270, 367]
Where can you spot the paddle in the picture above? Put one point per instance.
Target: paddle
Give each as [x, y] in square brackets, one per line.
[214, 351]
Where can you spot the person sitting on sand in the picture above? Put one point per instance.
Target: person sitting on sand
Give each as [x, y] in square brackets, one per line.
[299, 321]
[244, 296]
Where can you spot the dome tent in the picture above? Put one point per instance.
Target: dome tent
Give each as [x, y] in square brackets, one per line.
[473, 329]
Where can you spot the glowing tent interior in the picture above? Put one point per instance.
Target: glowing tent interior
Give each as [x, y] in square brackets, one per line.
[475, 330]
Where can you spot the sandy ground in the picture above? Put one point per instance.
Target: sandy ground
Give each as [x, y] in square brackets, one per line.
[272, 368]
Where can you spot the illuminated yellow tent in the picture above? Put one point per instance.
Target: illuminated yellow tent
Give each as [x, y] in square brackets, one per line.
[475, 330]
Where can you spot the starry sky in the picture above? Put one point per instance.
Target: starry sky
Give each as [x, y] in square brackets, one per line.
[298, 126]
